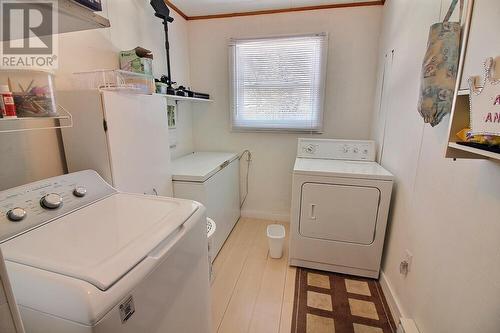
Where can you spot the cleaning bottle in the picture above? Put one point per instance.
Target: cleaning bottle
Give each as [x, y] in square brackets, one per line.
[8, 102]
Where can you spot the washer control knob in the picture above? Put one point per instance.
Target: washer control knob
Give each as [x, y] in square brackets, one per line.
[346, 149]
[16, 214]
[80, 191]
[355, 150]
[51, 201]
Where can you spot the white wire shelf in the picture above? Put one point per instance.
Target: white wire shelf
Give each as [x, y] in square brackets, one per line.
[116, 80]
[23, 124]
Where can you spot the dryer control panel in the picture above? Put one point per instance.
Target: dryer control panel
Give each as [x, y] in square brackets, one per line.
[25, 207]
[331, 149]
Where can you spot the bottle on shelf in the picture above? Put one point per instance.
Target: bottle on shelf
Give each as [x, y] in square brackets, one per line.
[9, 108]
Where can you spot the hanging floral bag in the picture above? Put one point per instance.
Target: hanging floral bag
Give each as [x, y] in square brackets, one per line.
[440, 67]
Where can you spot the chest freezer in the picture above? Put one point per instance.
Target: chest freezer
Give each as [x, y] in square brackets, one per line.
[211, 178]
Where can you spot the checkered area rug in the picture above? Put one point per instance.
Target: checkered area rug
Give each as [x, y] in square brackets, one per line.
[336, 303]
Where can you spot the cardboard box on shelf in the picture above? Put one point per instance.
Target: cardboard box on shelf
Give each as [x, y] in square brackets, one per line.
[138, 60]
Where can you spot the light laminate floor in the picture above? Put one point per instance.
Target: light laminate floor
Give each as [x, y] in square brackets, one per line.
[252, 292]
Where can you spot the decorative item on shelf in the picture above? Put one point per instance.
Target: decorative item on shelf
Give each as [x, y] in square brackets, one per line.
[440, 67]
[28, 100]
[31, 93]
[161, 88]
[35, 102]
[181, 91]
[466, 135]
[485, 103]
[172, 116]
[138, 60]
[171, 86]
[201, 95]
[95, 5]
[484, 142]
[172, 124]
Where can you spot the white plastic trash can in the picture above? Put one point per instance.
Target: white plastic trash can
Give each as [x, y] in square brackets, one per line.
[276, 238]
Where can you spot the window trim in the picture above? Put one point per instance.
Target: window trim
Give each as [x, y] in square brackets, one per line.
[232, 82]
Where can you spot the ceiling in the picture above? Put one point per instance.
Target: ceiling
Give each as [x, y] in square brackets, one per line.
[193, 8]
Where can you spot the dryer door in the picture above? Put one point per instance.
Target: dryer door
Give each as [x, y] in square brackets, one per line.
[339, 212]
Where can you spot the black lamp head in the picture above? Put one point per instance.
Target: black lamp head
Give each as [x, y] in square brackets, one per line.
[161, 10]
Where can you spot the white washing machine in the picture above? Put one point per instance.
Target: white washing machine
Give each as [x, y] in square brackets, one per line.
[84, 258]
[340, 204]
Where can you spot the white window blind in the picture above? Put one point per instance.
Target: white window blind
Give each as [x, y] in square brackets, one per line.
[278, 83]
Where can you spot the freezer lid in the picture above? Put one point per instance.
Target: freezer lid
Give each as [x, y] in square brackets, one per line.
[100, 243]
[199, 166]
[340, 168]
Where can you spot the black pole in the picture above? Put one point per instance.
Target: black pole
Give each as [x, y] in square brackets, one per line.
[167, 48]
[162, 11]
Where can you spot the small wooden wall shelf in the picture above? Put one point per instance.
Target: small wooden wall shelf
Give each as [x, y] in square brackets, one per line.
[460, 115]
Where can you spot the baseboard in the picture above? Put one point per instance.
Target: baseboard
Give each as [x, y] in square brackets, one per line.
[261, 215]
[392, 300]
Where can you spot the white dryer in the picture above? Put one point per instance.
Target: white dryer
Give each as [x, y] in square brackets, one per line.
[84, 258]
[340, 204]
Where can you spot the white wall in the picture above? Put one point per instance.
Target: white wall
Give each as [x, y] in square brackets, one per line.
[29, 156]
[445, 212]
[352, 59]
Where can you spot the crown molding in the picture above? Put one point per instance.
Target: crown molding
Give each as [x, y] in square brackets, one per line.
[273, 11]
[177, 10]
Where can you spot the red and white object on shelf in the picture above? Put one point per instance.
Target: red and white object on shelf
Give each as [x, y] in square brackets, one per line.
[8, 106]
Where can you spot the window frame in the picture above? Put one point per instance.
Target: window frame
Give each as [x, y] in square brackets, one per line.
[233, 81]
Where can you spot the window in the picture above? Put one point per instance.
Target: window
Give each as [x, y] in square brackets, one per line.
[278, 83]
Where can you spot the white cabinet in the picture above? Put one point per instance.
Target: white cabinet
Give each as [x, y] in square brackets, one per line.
[483, 39]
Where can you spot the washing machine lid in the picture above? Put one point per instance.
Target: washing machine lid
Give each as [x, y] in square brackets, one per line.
[341, 168]
[100, 243]
[199, 166]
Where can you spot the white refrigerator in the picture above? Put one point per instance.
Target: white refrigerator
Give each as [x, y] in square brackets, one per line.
[122, 136]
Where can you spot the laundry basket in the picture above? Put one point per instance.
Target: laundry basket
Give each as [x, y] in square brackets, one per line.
[276, 238]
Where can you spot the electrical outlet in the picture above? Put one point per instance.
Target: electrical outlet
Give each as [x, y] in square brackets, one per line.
[405, 265]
